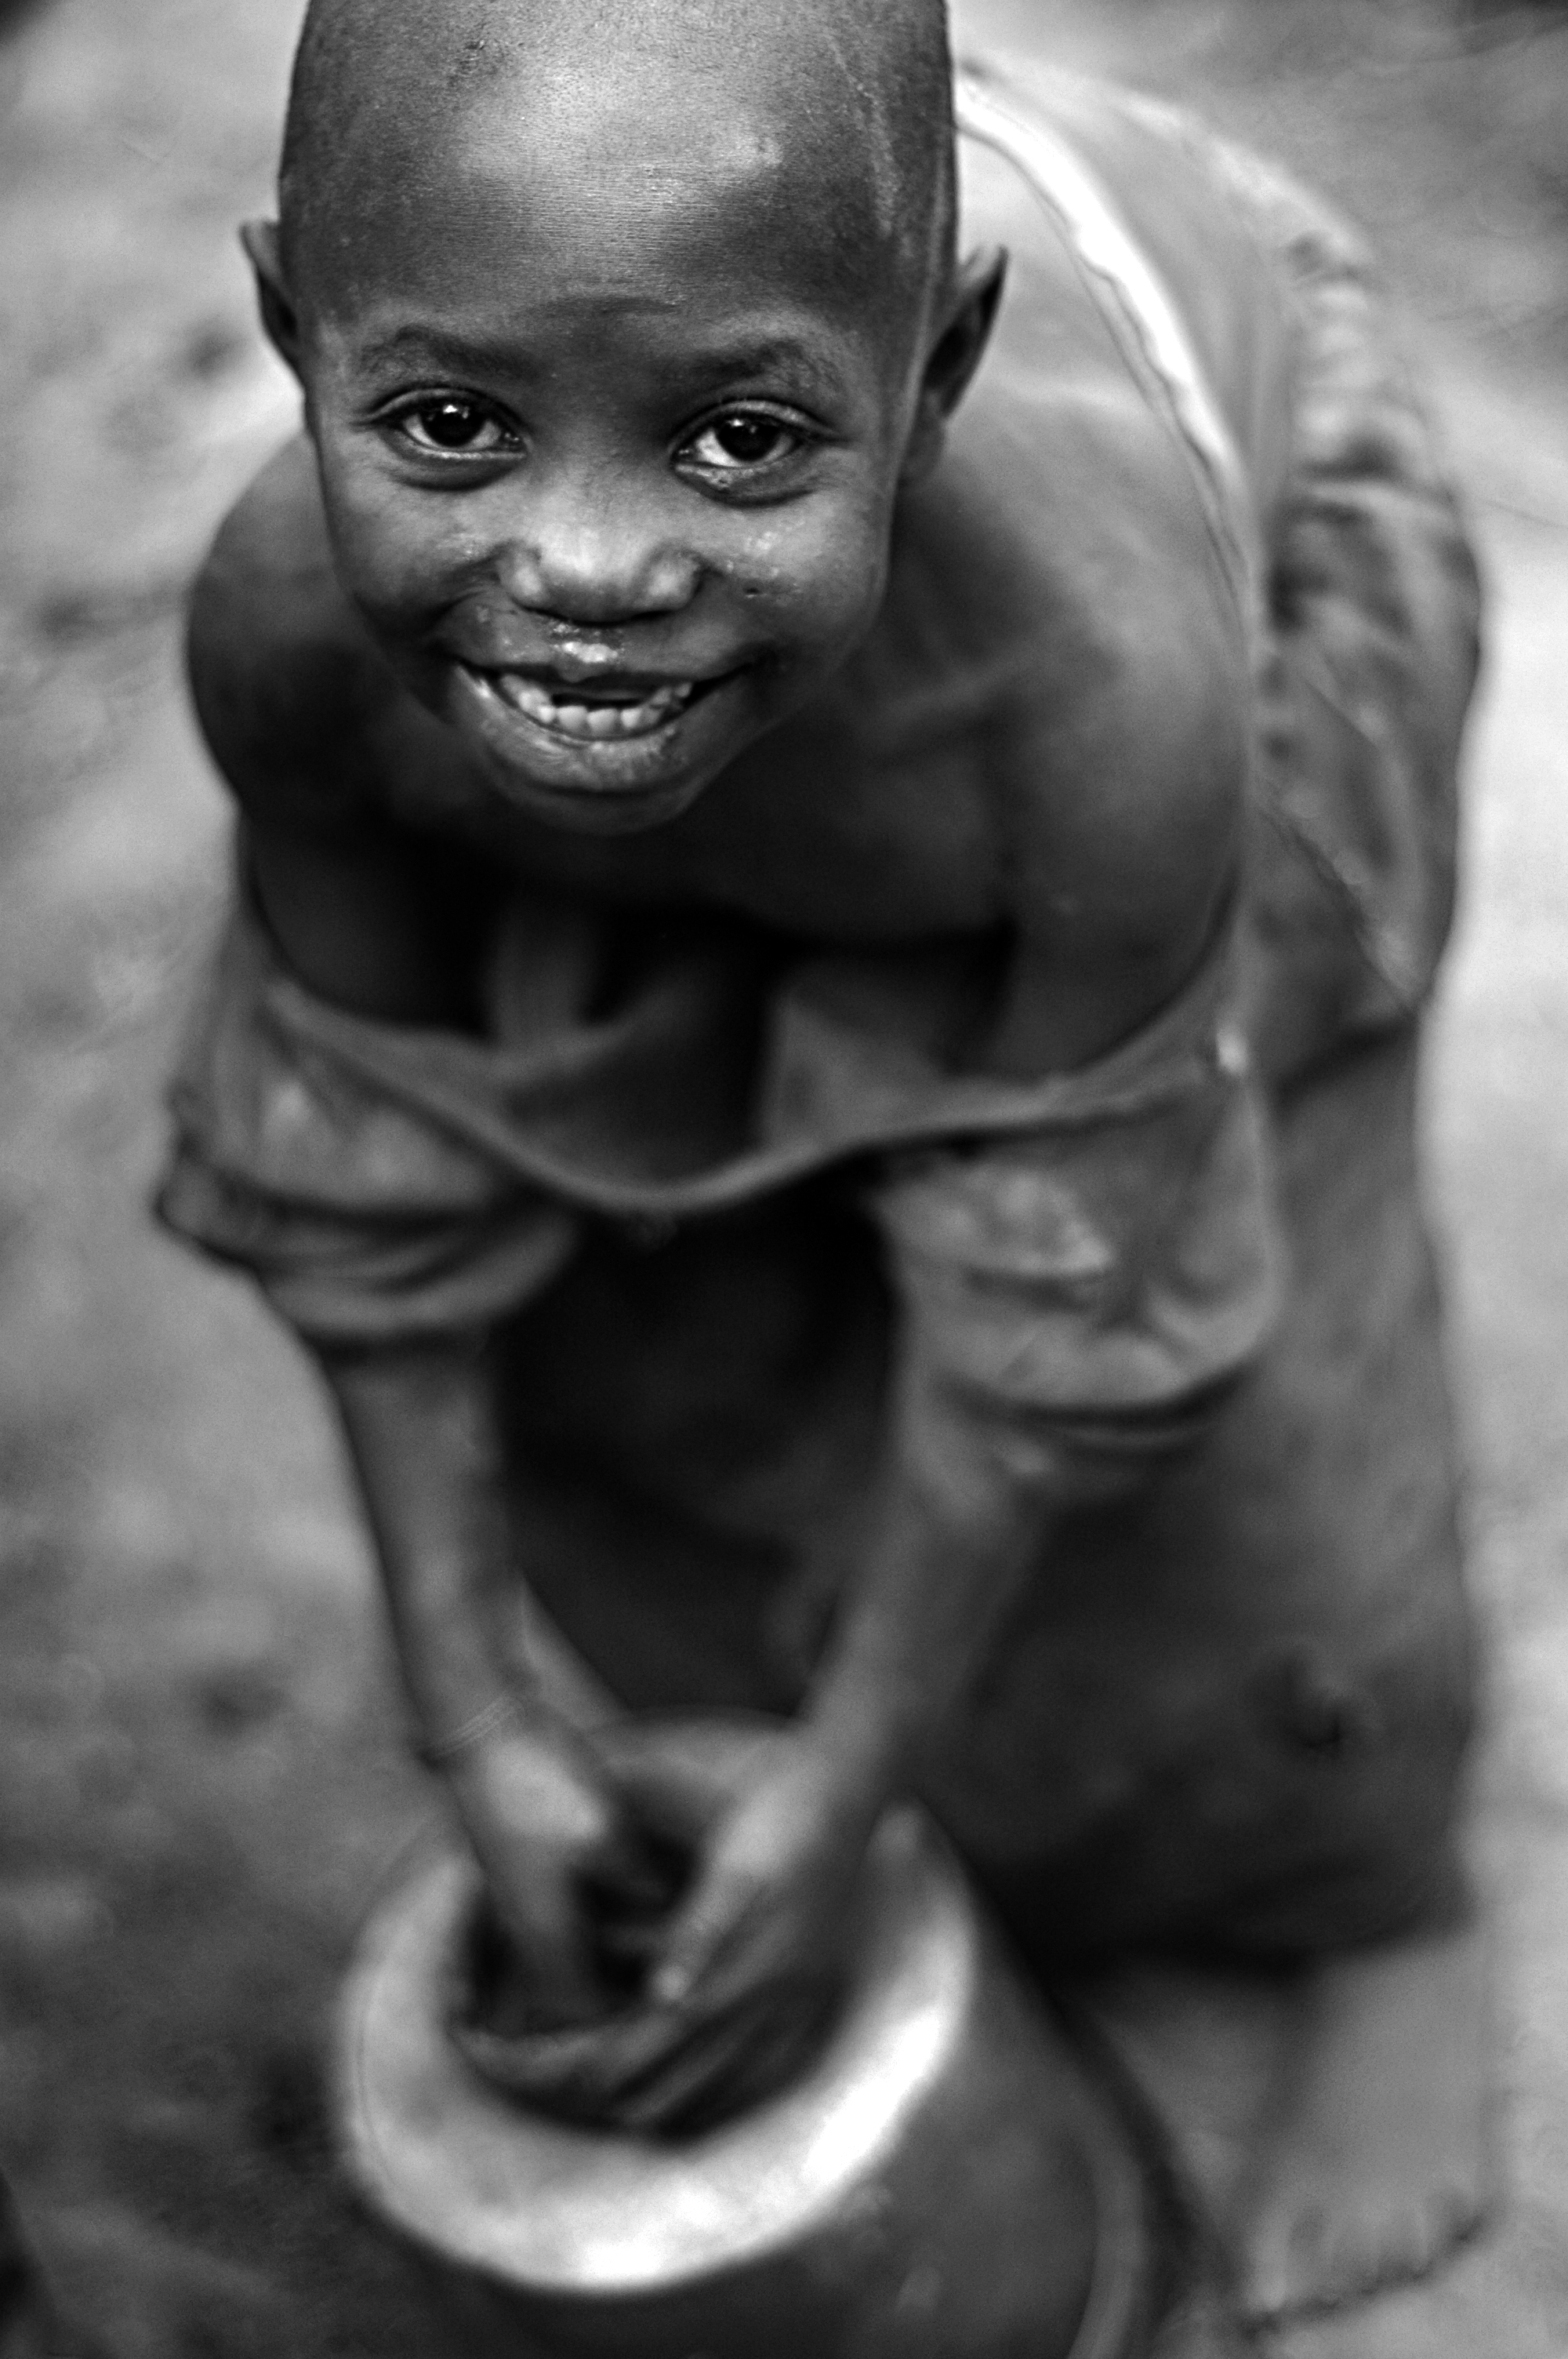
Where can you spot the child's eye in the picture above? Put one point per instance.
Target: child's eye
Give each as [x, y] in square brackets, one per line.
[453, 426]
[742, 438]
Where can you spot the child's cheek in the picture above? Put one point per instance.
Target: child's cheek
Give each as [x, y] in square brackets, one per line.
[818, 573]
[401, 556]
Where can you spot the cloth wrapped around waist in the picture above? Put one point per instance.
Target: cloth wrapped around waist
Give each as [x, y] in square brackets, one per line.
[1090, 1247]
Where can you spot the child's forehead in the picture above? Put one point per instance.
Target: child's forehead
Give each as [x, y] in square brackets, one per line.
[721, 150]
[558, 210]
[664, 59]
[629, 121]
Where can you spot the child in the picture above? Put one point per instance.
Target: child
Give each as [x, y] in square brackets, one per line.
[821, 1017]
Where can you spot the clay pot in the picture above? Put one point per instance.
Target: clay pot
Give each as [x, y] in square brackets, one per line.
[942, 2181]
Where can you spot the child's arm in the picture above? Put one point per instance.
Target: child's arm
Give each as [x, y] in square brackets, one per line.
[1122, 897]
[955, 1534]
[357, 921]
[518, 1760]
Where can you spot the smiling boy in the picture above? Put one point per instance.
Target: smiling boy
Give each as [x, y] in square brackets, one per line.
[820, 1023]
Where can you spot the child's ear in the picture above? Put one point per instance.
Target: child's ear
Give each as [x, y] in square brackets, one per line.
[279, 318]
[967, 322]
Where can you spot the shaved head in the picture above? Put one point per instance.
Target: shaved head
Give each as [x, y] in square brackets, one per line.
[834, 120]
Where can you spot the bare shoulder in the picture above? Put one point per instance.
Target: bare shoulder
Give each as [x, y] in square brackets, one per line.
[1126, 832]
[311, 730]
[1069, 542]
[1104, 674]
[288, 688]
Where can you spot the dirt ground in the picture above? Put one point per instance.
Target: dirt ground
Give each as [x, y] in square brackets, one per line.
[200, 1775]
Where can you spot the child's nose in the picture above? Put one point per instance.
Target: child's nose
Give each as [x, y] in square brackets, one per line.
[586, 554]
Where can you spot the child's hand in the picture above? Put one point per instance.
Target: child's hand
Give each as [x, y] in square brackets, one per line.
[761, 1927]
[547, 1829]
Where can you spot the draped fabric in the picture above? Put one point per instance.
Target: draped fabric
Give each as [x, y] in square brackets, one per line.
[384, 1183]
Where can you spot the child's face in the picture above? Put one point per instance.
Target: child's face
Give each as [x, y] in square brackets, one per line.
[609, 455]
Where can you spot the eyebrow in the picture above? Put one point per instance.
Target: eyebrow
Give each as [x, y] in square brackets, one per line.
[413, 341]
[718, 361]
[410, 343]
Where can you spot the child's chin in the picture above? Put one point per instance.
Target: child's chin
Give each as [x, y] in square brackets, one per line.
[585, 809]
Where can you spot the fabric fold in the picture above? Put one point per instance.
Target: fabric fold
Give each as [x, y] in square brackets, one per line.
[1087, 1243]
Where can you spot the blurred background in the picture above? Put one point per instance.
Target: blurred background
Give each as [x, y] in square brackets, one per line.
[200, 1775]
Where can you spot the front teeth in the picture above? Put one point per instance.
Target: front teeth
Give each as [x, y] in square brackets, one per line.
[591, 723]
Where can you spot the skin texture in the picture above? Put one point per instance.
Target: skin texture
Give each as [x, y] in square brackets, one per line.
[630, 388]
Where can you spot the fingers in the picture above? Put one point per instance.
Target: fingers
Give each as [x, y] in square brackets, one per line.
[724, 2065]
[567, 2072]
[647, 2072]
[711, 1919]
[538, 1910]
[653, 2070]
[540, 1821]
[705, 2068]
[746, 2020]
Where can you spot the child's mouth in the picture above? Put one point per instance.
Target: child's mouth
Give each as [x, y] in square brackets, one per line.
[608, 752]
[598, 717]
